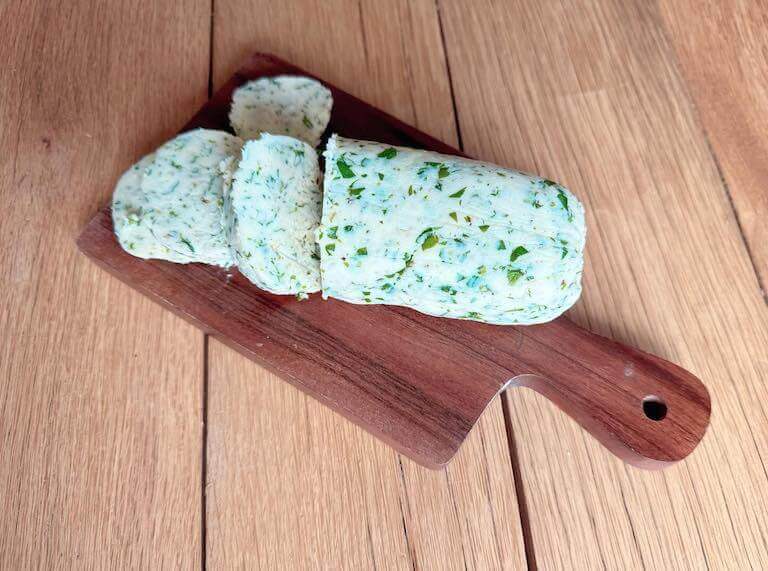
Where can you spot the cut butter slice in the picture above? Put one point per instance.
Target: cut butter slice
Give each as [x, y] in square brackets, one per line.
[276, 201]
[130, 216]
[183, 187]
[447, 236]
[296, 106]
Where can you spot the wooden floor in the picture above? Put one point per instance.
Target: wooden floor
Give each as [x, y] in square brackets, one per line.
[128, 440]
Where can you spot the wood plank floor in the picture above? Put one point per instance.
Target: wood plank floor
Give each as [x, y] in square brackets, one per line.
[130, 441]
[100, 390]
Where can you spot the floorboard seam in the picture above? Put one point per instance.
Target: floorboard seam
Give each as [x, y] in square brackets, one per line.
[522, 505]
[718, 167]
[450, 77]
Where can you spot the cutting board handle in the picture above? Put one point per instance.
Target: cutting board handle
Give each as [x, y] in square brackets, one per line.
[646, 410]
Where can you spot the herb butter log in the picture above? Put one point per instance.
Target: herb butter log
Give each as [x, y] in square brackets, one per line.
[447, 236]
[183, 188]
[275, 205]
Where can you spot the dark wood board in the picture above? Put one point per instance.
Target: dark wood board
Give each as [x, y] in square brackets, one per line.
[417, 382]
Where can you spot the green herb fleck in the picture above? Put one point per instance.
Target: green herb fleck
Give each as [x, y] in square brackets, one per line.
[423, 232]
[427, 165]
[517, 252]
[356, 191]
[513, 275]
[547, 182]
[381, 175]
[562, 198]
[344, 169]
[453, 215]
[187, 243]
[565, 253]
[458, 193]
[481, 270]
[501, 245]
[362, 251]
[331, 233]
[429, 242]
[483, 227]
[307, 122]
[442, 171]
[329, 248]
[388, 153]
[411, 191]
[348, 228]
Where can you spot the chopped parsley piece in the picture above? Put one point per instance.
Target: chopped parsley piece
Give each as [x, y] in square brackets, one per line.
[356, 191]
[348, 228]
[513, 275]
[517, 252]
[329, 248]
[388, 153]
[547, 182]
[565, 253]
[501, 245]
[483, 227]
[442, 171]
[362, 251]
[344, 169]
[423, 232]
[429, 242]
[453, 215]
[331, 233]
[307, 122]
[458, 193]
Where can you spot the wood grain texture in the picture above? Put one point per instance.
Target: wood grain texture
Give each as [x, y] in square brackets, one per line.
[593, 98]
[723, 54]
[99, 388]
[369, 507]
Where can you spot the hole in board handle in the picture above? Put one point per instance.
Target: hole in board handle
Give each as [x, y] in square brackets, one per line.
[654, 408]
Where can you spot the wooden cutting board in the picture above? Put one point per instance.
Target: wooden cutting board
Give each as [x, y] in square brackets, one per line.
[417, 382]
